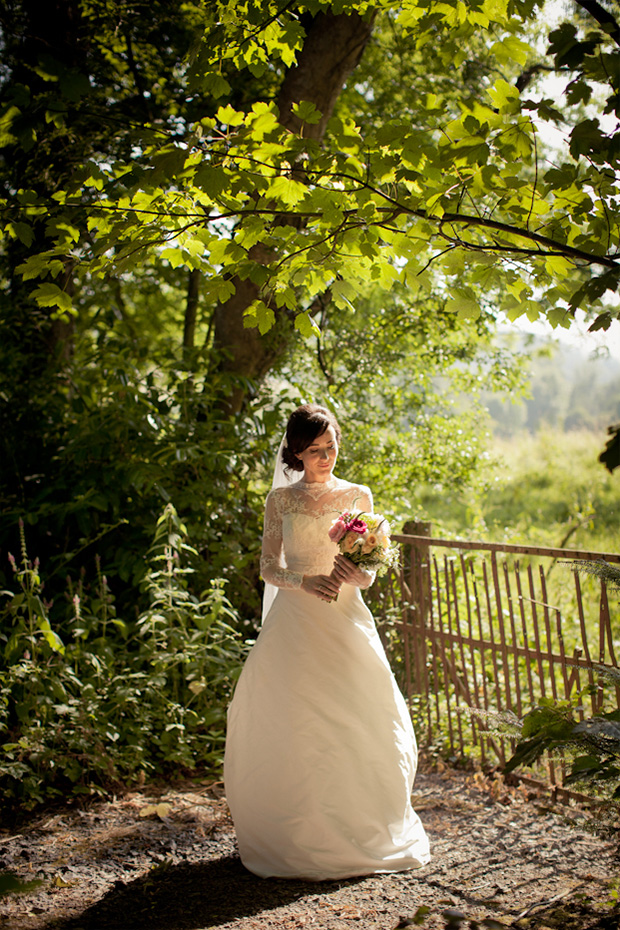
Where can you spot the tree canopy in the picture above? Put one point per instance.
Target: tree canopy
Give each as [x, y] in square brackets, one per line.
[282, 194]
[192, 197]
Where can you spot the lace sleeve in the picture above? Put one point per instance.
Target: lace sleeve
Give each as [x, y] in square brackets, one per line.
[272, 565]
[364, 500]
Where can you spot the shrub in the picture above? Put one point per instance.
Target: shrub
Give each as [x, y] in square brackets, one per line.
[119, 699]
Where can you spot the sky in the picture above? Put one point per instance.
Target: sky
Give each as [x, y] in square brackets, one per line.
[601, 342]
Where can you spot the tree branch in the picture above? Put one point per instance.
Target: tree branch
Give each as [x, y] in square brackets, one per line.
[550, 246]
[603, 17]
[191, 309]
[555, 248]
[525, 78]
[320, 304]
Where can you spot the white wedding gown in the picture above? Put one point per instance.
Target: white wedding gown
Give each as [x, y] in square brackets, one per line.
[320, 751]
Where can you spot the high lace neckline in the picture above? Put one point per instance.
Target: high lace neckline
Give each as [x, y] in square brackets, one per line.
[316, 488]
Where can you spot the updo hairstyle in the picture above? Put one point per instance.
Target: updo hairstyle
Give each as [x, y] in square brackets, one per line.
[304, 425]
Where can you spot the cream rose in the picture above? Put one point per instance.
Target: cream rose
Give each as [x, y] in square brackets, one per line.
[351, 542]
[371, 541]
[382, 533]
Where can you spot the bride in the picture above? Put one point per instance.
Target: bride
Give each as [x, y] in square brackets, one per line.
[320, 751]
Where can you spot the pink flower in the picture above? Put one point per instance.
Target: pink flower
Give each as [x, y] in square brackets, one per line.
[357, 526]
[337, 530]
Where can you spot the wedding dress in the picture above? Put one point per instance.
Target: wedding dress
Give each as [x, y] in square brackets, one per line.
[320, 752]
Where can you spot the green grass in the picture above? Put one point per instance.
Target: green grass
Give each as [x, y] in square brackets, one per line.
[547, 489]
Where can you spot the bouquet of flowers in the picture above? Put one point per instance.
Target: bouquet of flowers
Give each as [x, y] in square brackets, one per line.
[364, 538]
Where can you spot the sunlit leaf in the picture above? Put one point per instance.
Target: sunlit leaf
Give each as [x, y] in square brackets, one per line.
[50, 295]
[307, 112]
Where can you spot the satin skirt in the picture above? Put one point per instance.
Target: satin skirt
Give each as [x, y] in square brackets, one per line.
[320, 751]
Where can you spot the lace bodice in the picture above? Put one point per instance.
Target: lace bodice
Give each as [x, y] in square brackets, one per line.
[297, 520]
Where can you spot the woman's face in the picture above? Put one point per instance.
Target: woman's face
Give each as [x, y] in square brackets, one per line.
[320, 456]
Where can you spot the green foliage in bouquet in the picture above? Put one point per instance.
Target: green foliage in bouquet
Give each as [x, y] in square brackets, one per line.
[119, 699]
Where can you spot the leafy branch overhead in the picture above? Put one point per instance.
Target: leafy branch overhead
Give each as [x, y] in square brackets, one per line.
[298, 196]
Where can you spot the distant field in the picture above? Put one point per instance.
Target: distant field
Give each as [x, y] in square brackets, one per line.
[546, 489]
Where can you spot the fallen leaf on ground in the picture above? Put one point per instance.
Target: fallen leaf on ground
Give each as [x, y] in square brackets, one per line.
[160, 810]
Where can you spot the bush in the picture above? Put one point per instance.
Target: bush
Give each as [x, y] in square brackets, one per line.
[120, 699]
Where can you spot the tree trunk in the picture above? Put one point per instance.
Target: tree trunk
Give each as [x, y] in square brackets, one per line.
[333, 47]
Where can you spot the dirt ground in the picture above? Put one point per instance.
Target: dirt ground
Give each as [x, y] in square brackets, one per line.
[166, 860]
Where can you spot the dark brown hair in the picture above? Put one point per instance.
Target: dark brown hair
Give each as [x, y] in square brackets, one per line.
[303, 427]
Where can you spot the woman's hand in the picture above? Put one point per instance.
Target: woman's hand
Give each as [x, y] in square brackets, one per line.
[346, 572]
[325, 587]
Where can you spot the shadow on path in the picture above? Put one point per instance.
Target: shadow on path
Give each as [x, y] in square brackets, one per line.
[189, 895]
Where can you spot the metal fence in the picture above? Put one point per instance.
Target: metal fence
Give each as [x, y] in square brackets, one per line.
[477, 631]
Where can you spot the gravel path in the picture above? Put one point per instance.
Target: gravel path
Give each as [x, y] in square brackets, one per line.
[502, 857]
